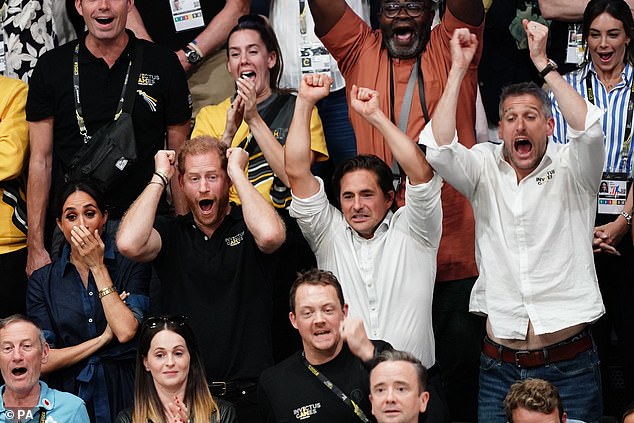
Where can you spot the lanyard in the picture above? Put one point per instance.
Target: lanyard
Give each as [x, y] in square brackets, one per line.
[415, 78]
[627, 137]
[302, 17]
[80, 119]
[335, 390]
[42, 415]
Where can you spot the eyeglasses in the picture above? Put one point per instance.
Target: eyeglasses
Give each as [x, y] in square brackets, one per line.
[413, 9]
[156, 321]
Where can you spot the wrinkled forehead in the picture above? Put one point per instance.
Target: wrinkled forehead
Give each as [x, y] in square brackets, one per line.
[19, 331]
[521, 103]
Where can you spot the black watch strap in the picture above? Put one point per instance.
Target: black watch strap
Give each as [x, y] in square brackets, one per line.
[551, 66]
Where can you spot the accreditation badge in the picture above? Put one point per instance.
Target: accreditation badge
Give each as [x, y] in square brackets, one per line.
[186, 14]
[314, 58]
[612, 193]
[3, 60]
[575, 50]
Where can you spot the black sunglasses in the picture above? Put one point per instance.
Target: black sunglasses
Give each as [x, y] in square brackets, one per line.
[155, 321]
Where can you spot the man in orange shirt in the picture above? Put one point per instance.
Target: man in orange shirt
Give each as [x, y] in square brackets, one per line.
[407, 52]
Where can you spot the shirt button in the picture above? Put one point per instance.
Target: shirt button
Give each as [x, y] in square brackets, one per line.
[90, 293]
[89, 320]
[206, 238]
[373, 308]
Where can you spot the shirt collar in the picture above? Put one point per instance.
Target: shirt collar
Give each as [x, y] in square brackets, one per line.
[85, 56]
[46, 400]
[626, 73]
[384, 226]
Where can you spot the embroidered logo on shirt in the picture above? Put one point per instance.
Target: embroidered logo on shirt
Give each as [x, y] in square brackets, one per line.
[280, 133]
[549, 176]
[306, 411]
[151, 101]
[148, 80]
[232, 241]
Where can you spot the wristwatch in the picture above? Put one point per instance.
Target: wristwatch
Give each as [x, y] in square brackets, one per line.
[551, 66]
[192, 55]
[627, 216]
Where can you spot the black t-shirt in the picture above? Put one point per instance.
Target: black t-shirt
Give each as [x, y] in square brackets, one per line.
[289, 392]
[158, 21]
[225, 284]
[162, 99]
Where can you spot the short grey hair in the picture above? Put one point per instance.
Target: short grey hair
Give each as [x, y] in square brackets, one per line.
[526, 88]
[16, 318]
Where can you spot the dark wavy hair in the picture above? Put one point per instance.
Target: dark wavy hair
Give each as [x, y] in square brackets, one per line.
[368, 162]
[89, 187]
[147, 405]
[260, 25]
[619, 10]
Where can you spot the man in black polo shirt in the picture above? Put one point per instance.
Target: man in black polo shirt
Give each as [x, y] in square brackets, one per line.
[335, 351]
[161, 107]
[217, 264]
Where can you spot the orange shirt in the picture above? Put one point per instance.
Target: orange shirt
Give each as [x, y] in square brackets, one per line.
[363, 61]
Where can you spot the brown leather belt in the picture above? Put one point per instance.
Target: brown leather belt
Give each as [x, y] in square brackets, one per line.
[566, 350]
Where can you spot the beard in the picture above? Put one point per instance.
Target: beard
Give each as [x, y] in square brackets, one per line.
[420, 37]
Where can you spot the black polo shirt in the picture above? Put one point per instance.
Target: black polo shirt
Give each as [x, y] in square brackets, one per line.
[225, 284]
[162, 99]
[159, 23]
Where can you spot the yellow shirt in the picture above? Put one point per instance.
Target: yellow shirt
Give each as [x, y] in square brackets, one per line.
[14, 144]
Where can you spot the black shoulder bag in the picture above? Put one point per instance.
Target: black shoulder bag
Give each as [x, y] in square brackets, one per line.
[106, 154]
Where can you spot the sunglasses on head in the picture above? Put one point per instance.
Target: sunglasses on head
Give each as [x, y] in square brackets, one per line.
[155, 321]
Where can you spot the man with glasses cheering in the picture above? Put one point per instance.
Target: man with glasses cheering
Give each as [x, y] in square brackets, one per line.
[408, 62]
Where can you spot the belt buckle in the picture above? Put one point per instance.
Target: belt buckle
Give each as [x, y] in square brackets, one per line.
[519, 354]
[222, 386]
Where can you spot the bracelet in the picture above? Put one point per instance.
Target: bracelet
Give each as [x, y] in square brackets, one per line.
[163, 178]
[194, 46]
[627, 216]
[157, 183]
[107, 291]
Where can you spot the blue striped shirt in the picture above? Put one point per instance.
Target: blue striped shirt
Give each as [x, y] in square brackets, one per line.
[614, 106]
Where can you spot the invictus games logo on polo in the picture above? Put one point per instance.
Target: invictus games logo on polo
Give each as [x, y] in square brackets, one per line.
[306, 411]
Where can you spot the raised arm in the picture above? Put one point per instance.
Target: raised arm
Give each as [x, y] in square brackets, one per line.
[297, 152]
[326, 13]
[563, 10]
[176, 136]
[263, 222]
[135, 23]
[572, 105]
[37, 192]
[366, 102]
[137, 239]
[463, 48]
[468, 11]
[214, 36]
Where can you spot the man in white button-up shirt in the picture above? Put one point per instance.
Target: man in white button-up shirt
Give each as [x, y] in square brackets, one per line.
[534, 205]
[386, 261]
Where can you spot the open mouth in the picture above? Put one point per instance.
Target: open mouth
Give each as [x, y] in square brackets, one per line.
[104, 21]
[18, 371]
[403, 35]
[523, 146]
[250, 75]
[605, 57]
[205, 205]
[322, 332]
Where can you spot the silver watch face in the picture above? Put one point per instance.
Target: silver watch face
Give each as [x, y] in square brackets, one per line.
[192, 56]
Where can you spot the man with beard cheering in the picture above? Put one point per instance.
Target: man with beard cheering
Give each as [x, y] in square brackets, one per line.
[408, 63]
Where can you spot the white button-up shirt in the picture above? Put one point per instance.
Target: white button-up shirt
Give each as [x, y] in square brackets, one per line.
[533, 238]
[388, 280]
